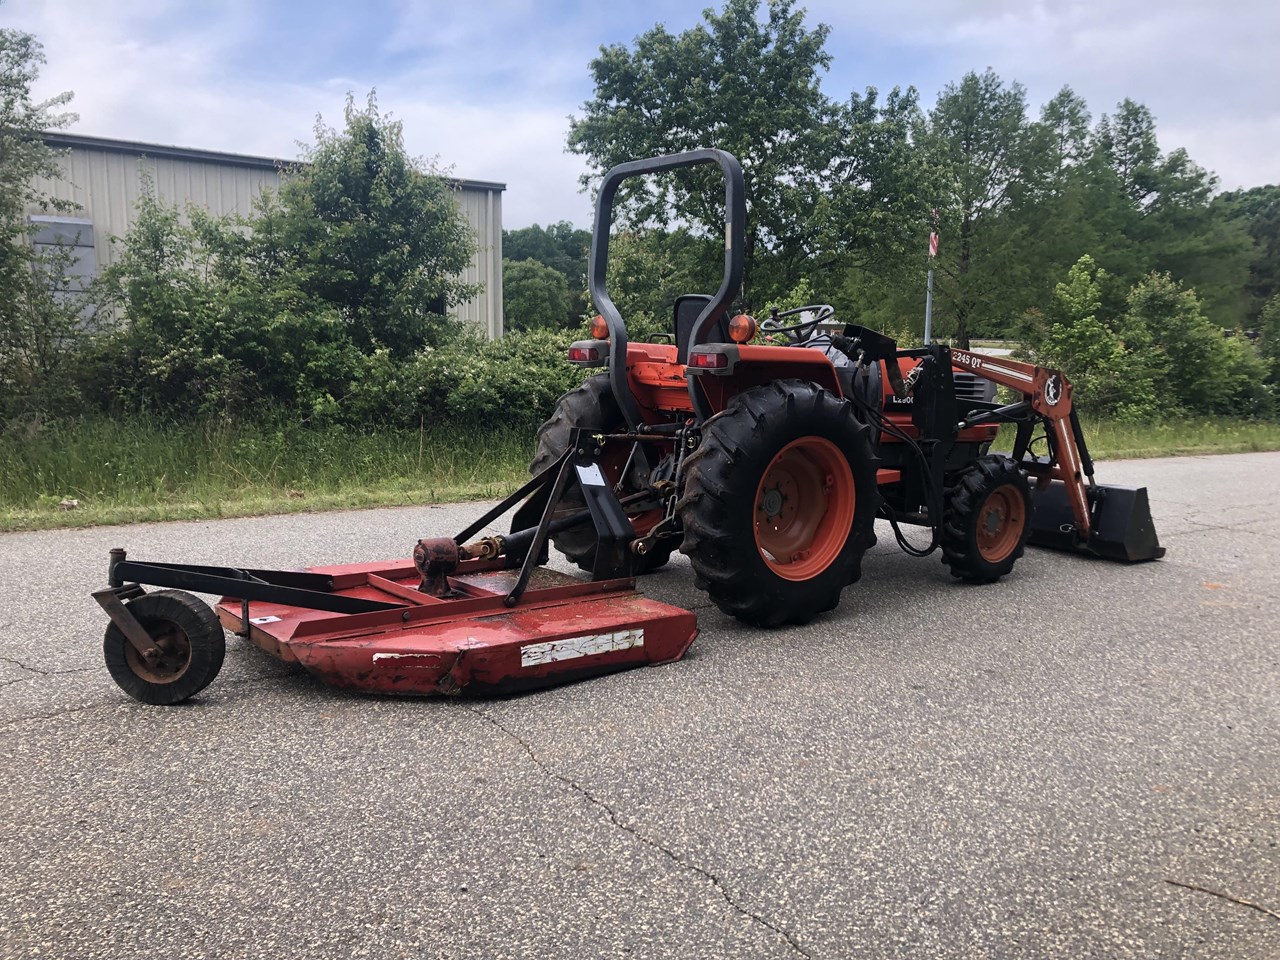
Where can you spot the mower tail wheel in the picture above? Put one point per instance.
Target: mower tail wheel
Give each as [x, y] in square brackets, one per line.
[779, 503]
[593, 406]
[986, 519]
[191, 643]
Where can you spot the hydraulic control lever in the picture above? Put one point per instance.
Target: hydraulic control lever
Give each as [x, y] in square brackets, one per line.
[868, 346]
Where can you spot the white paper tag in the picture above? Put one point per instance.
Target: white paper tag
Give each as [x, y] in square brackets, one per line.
[590, 475]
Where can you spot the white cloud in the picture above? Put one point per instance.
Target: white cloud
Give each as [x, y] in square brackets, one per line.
[138, 75]
[488, 87]
[1208, 71]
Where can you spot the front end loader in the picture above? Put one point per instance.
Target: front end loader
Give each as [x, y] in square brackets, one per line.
[766, 463]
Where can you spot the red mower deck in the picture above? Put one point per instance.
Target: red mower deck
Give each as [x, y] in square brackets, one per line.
[563, 629]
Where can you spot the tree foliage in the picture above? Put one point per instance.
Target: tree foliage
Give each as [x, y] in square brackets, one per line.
[534, 296]
[350, 267]
[1258, 211]
[1269, 338]
[747, 85]
[372, 232]
[40, 319]
[1200, 369]
[1110, 373]
[560, 246]
[210, 326]
[1159, 357]
[991, 162]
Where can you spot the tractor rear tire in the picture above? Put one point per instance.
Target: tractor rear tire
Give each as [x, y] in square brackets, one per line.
[986, 519]
[191, 641]
[779, 503]
[591, 405]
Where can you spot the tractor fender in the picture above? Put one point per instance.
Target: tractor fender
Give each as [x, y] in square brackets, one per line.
[751, 365]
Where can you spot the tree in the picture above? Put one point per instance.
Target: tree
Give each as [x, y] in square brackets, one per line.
[1269, 337]
[211, 325]
[1154, 214]
[991, 160]
[373, 232]
[1065, 120]
[534, 296]
[560, 246]
[40, 323]
[1258, 211]
[876, 215]
[746, 85]
[650, 269]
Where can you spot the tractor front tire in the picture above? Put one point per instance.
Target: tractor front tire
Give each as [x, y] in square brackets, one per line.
[986, 519]
[191, 641]
[591, 406]
[779, 503]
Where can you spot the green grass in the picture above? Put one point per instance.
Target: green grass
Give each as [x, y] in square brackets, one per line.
[147, 469]
[1177, 438]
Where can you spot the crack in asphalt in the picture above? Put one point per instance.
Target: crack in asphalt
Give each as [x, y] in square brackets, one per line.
[16, 721]
[44, 673]
[613, 818]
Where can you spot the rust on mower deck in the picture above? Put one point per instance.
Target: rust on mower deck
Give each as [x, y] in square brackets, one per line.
[563, 629]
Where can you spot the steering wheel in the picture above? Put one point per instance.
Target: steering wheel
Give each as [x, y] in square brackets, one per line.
[800, 330]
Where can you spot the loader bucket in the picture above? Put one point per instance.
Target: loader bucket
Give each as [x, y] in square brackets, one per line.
[1121, 516]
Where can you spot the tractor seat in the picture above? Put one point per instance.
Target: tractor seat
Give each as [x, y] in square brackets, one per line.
[686, 313]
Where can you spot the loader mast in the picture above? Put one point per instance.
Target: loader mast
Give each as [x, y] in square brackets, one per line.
[1046, 393]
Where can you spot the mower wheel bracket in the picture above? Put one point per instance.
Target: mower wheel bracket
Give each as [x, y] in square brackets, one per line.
[112, 602]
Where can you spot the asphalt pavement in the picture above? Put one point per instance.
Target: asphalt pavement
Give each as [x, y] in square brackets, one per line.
[1025, 769]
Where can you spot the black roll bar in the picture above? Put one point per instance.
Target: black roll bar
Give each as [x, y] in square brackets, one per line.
[735, 218]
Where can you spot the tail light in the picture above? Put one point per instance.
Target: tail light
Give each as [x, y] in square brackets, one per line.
[709, 361]
[589, 353]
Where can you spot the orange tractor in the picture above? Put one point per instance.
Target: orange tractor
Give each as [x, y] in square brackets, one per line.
[768, 465]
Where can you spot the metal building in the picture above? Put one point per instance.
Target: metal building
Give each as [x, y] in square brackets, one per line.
[104, 178]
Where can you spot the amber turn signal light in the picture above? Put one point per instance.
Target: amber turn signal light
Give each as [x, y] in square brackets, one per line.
[742, 328]
[599, 329]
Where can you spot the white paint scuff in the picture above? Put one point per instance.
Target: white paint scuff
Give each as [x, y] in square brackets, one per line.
[570, 648]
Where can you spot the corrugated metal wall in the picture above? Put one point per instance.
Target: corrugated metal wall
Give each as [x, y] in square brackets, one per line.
[483, 210]
[106, 184]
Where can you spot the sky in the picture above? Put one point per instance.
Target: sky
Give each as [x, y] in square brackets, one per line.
[486, 88]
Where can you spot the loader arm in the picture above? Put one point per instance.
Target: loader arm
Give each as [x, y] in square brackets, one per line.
[1047, 393]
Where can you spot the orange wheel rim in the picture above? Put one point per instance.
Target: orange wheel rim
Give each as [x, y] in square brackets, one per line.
[804, 507]
[1000, 523]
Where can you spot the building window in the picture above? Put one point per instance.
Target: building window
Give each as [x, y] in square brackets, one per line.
[66, 244]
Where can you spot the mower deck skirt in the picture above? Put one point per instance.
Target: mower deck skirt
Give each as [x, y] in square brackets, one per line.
[563, 629]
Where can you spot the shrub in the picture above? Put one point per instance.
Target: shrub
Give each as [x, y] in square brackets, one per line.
[476, 382]
[1108, 377]
[1200, 369]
